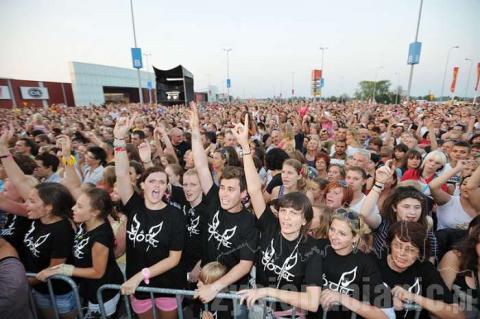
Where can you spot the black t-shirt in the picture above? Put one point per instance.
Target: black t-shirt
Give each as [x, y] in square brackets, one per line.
[193, 240]
[14, 231]
[304, 264]
[82, 258]
[151, 235]
[44, 242]
[421, 278]
[356, 275]
[276, 181]
[227, 237]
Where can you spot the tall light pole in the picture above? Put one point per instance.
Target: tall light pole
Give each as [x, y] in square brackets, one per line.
[468, 77]
[375, 84]
[140, 93]
[228, 83]
[147, 55]
[416, 40]
[445, 72]
[323, 71]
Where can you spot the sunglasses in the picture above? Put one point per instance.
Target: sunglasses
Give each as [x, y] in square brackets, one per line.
[348, 215]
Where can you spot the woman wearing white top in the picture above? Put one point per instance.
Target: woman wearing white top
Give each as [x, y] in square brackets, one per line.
[357, 179]
[456, 211]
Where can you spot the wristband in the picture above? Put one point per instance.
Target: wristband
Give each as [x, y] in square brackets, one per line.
[66, 270]
[146, 275]
[120, 149]
[249, 153]
[71, 161]
[380, 186]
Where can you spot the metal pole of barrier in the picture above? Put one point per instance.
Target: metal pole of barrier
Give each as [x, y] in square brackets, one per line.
[32, 303]
[76, 294]
[235, 309]
[154, 306]
[179, 306]
[52, 298]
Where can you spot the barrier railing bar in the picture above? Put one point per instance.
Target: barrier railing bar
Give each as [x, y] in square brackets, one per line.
[179, 306]
[71, 283]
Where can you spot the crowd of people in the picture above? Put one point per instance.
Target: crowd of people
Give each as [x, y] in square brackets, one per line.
[331, 209]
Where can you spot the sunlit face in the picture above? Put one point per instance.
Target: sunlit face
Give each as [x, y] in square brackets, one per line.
[341, 236]
[172, 177]
[316, 191]
[320, 164]
[408, 209]
[403, 254]
[36, 209]
[154, 187]
[459, 153]
[355, 180]
[188, 158]
[432, 165]
[334, 174]
[230, 140]
[82, 211]
[290, 176]
[399, 155]
[91, 160]
[413, 162]
[133, 175]
[340, 148]
[230, 194]
[217, 160]
[334, 198]
[192, 187]
[40, 170]
[360, 160]
[312, 145]
[291, 220]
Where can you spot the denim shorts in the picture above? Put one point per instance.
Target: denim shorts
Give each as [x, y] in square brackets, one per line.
[65, 303]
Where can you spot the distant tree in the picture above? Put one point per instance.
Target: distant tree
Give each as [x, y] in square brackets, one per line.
[366, 90]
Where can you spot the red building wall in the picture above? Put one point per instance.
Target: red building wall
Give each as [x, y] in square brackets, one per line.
[55, 93]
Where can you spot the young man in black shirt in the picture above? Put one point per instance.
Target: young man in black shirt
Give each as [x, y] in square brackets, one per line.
[229, 235]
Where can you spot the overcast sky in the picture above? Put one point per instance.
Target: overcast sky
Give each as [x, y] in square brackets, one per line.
[270, 40]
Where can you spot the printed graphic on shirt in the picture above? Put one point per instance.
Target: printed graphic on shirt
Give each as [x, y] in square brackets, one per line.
[79, 243]
[193, 223]
[222, 239]
[268, 262]
[415, 288]
[137, 235]
[342, 285]
[31, 245]
[10, 229]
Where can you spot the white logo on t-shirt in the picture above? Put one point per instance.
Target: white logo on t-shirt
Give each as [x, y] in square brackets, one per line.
[192, 228]
[11, 228]
[33, 246]
[223, 239]
[135, 236]
[342, 285]
[268, 263]
[415, 288]
[79, 243]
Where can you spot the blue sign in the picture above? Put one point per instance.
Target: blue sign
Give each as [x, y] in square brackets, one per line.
[229, 83]
[149, 85]
[414, 53]
[137, 58]
[322, 82]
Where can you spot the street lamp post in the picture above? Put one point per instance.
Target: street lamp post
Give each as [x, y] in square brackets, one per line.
[468, 77]
[445, 72]
[398, 87]
[140, 94]
[323, 70]
[293, 84]
[147, 55]
[227, 51]
[375, 84]
[416, 40]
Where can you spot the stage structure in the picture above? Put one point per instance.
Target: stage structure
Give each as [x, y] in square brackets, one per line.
[174, 86]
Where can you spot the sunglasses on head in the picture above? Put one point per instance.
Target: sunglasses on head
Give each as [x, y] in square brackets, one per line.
[349, 215]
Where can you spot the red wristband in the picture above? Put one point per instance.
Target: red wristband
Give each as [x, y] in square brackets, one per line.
[120, 149]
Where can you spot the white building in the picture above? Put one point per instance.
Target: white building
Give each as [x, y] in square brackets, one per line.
[97, 84]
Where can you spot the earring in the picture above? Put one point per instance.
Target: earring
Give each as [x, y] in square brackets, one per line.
[355, 246]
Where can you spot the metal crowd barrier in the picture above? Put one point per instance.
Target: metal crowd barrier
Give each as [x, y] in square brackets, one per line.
[234, 297]
[70, 282]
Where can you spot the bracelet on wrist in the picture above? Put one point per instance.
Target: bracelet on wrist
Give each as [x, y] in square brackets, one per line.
[247, 153]
[120, 149]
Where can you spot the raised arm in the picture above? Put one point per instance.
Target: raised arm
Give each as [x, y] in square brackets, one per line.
[473, 188]
[368, 208]
[71, 179]
[254, 186]
[199, 157]
[431, 135]
[14, 173]
[125, 188]
[439, 196]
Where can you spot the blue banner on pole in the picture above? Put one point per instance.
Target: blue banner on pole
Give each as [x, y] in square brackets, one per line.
[414, 53]
[137, 58]
[229, 83]
[322, 82]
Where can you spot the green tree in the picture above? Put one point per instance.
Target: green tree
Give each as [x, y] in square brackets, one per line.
[366, 90]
